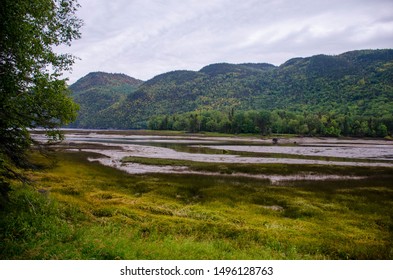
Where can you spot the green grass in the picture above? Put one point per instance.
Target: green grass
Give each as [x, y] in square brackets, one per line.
[82, 210]
[268, 168]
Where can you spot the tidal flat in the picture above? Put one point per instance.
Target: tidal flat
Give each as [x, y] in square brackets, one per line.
[210, 203]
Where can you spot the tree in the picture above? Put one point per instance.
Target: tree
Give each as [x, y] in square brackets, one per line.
[194, 123]
[264, 122]
[382, 130]
[32, 92]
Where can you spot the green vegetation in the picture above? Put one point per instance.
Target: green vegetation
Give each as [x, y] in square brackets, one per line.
[32, 93]
[277, 122]
[347, 94]
[82, 210]
[266, 169]
[70, 208]
[99, 91]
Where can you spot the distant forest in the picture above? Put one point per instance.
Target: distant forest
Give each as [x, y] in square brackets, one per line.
[345, 95]
[275, 122]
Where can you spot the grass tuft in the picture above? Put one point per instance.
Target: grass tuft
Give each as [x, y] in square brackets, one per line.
[87, 211]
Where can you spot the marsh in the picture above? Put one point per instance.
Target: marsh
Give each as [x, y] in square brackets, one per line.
[209, 203]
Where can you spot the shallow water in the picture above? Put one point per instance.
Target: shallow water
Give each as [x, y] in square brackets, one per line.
[376, 152]
[136, 168]
[320, 151]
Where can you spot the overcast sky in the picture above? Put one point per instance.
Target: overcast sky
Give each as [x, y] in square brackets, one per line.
[144, 38]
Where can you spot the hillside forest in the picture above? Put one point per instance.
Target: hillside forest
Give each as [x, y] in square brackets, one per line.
[344, 95]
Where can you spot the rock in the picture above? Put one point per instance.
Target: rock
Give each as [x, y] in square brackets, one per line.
[274, 207]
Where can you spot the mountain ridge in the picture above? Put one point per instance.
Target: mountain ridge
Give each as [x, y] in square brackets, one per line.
[103, 79]
[355, 82]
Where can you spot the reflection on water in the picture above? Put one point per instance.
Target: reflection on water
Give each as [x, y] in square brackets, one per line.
[327, 151]
[306, 148]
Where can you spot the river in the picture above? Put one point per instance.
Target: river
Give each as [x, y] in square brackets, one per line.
[114, 146]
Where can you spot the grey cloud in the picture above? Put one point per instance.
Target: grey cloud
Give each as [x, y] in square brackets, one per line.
[143, 38]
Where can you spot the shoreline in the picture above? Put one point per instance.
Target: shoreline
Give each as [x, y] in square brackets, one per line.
[115, 147]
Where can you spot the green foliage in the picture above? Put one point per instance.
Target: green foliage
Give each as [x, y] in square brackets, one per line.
[322, 95]
[31, 92]
[96, 93]
[84, 210]
[277, 121]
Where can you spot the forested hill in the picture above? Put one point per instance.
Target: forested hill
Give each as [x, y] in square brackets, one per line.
[357, 83]
[97, 92]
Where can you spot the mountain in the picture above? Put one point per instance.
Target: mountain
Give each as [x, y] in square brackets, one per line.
[356, 82]
[98, 91]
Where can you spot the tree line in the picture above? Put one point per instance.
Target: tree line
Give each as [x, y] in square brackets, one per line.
[266, 122]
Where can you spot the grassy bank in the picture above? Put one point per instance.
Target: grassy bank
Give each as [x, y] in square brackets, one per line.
[82, 210]
[266, 168]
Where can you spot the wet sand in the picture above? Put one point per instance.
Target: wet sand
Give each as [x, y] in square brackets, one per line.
[138, 146]
[348, 151]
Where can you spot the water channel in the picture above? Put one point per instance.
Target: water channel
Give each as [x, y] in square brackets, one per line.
[111, 147]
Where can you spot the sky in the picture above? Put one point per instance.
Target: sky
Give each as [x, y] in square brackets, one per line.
[145, 38]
